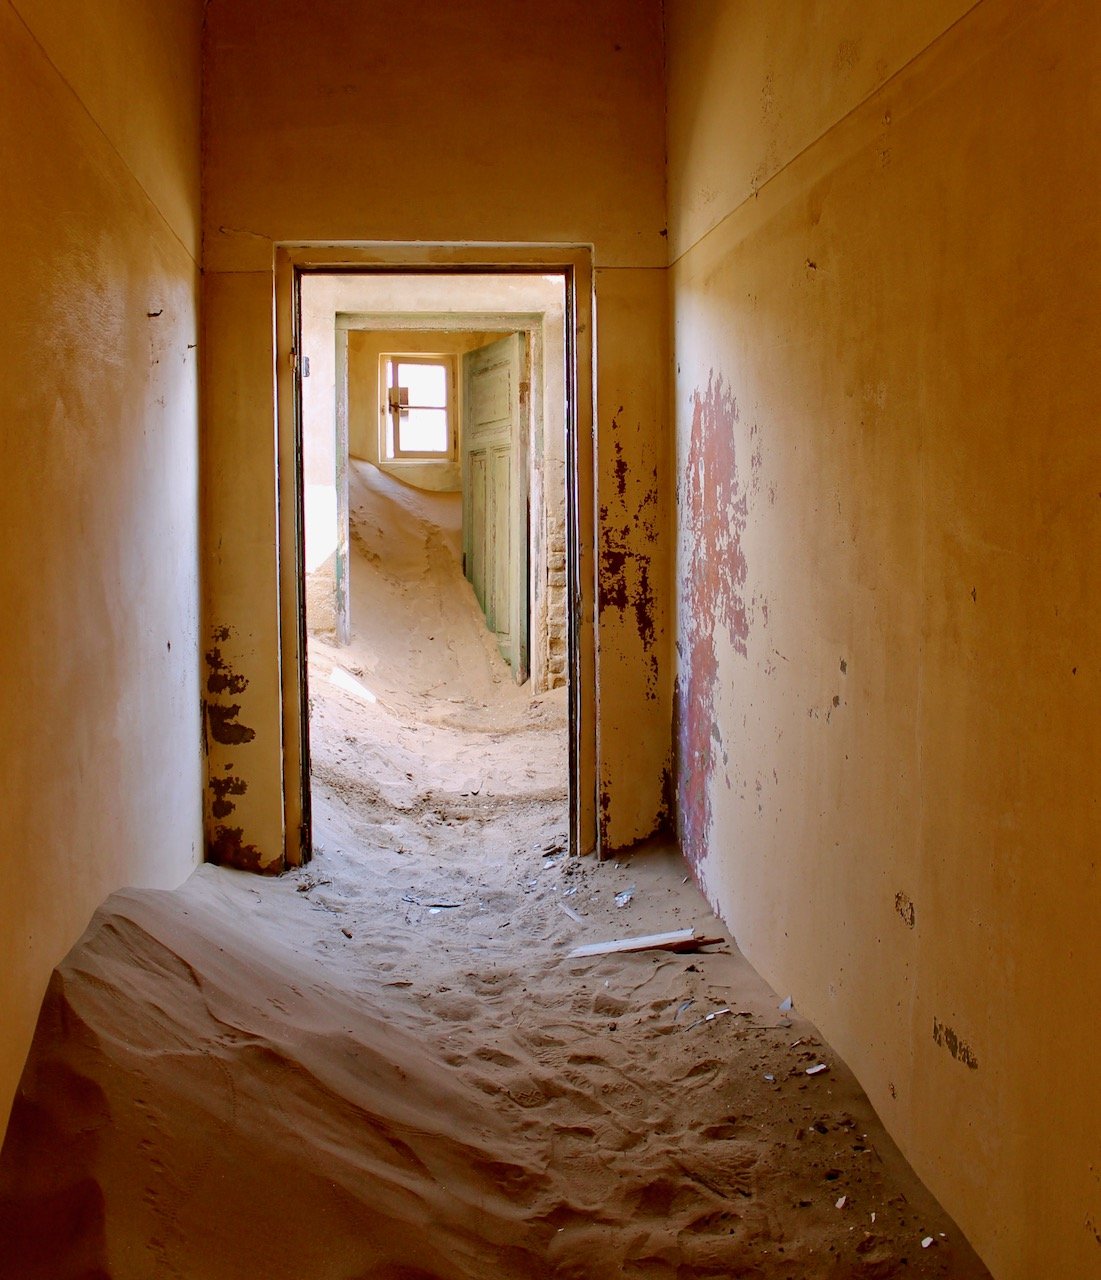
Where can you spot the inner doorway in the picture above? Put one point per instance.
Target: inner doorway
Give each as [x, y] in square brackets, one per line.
[435, 514]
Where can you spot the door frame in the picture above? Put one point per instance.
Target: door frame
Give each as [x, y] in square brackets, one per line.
[572, 262]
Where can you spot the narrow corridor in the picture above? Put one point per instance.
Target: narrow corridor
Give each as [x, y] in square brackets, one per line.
[387, 1065]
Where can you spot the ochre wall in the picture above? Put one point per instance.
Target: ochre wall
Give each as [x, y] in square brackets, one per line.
[464, 121]
[100, 777]
[885, 280]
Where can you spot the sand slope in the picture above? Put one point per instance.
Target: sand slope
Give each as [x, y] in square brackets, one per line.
[220, 1108]
[386, 1065]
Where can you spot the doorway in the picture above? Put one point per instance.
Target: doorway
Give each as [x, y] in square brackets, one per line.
[525, 566]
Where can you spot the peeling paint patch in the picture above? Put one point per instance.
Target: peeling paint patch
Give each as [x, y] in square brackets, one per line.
[227, 848]
[605, 813]
[959, 1049]
[715, 503]
[221, 678]
[222, 806]
[667, 813]
[220, 717]
[905, 907]
[223, 726]
[628, 531]
[620, 464]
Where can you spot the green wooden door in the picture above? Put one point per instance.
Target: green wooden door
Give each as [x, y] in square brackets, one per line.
[495, 492]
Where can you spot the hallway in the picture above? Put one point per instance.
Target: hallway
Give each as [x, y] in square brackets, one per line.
[417, 1080]
[823, 336]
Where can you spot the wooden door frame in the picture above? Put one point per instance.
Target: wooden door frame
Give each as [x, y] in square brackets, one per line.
[575, 264]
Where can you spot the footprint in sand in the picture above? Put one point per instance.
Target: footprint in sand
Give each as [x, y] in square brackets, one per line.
[731, 1127]
[524, 1095]
[496, 1056]
[609, 1006]
[694, 1075]
[586, 1060]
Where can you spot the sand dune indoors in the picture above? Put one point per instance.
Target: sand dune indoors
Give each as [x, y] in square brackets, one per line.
[386, 1066]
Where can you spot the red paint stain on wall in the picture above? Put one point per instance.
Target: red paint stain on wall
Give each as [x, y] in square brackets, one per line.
[712, 596]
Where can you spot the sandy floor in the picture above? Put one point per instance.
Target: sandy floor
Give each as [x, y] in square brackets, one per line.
[387, 1066]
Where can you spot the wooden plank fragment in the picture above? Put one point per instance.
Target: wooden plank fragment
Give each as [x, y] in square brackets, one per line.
[678, 940]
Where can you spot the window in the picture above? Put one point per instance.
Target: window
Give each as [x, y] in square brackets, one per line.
[417, 413]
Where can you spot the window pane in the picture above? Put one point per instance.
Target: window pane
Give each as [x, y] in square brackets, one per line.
[427, 383]
[422, 431]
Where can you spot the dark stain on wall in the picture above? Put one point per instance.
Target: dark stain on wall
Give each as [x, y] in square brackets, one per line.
[628, 530]
[959, 1049]
[220, 715]
[714, 502]
[667, 814]
[620, 464]
[221, 724]
[224, 787]
[904, 905]
[629, 590]
[605, 813]
[223, 727]
[220, 677]
[227, 848]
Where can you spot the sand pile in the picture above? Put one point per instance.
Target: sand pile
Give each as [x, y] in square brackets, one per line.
[387, 1065]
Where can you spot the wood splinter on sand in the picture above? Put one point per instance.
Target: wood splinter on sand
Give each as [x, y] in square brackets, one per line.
[682, 940]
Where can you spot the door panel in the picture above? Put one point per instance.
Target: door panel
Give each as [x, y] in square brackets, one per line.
[498, 526]
[495, 491]
[476, 558]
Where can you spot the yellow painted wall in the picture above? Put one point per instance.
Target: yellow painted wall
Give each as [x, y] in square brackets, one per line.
[886, 267]
[466, 121]
[100, 776]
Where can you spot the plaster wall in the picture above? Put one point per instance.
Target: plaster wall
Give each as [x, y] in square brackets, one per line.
[442, 123]
[101, 771]
[885, 274]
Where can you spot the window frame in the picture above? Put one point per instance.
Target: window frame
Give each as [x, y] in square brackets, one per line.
[390, 413]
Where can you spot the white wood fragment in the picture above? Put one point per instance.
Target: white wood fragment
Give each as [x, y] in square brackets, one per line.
[707, 1017]
[676, 940]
